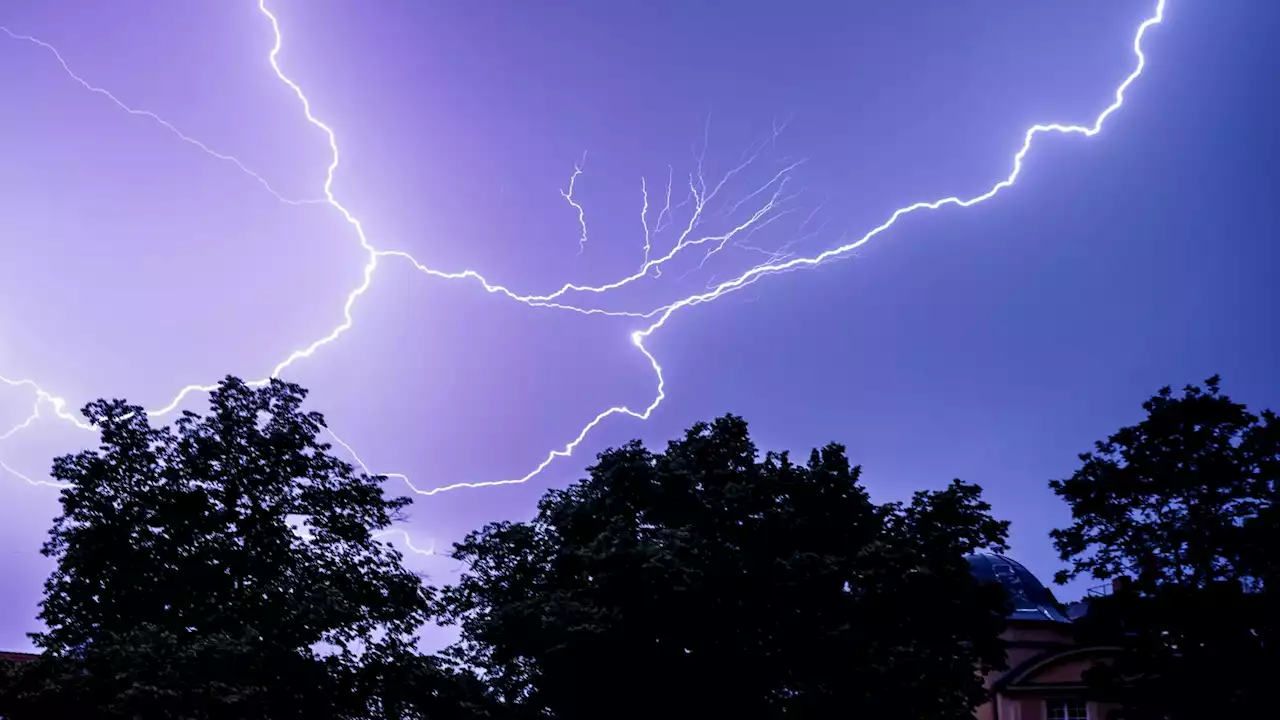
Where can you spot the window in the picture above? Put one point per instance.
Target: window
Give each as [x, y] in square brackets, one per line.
[1066, 710]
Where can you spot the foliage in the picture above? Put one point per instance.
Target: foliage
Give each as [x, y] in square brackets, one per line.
[705, 582]
[185, 588]
[1183, 502]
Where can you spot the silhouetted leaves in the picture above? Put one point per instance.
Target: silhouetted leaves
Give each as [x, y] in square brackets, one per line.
[705, 582]
[184, 586]
[1184, 502]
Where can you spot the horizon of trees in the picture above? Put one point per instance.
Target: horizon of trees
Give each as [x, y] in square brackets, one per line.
[703, 579]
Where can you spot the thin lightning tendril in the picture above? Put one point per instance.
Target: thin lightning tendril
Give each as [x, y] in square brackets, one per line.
[153, 117]
[700, 195]
[568, 196]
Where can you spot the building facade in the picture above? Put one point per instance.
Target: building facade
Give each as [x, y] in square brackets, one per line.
[1046, 665]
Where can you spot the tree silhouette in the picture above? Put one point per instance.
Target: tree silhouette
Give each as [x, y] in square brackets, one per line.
[706, 582]
[1183, 503]
[227, 567]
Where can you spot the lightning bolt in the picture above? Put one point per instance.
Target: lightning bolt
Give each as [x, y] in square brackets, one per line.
[773, 203]
[568, 196]
[152, 116]
[758, 272]
[429, 551]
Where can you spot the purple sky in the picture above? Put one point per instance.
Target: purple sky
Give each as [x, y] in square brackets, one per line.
[992, 343]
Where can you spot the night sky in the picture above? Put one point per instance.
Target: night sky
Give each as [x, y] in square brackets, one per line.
[151, 239]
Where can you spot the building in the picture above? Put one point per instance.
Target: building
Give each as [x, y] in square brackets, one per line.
[1046, 664]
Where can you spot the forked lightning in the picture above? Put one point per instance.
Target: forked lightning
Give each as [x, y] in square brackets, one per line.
[770, 199]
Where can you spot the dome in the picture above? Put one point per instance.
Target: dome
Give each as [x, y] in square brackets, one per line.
[1031, 599]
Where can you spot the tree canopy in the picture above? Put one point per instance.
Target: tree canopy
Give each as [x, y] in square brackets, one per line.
[1183, 503]
[227, 567]
[707, 581]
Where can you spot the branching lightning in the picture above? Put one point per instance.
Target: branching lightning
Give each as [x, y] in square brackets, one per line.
[568, 196]
[768, 203]
[152, 116]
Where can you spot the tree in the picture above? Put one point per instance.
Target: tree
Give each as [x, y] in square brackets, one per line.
[1183, 504]
[185, 587]
[706, 582]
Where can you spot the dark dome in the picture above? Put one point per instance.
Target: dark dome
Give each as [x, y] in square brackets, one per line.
[1031, 600]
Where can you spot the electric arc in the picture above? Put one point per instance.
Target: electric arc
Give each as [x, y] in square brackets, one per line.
[767, 202]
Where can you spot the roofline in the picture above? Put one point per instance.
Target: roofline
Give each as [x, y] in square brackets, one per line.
[1046, 609]
[1037, 662]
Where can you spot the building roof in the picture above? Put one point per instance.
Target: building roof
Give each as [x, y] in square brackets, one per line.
[17, 656]
[1031, 599]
